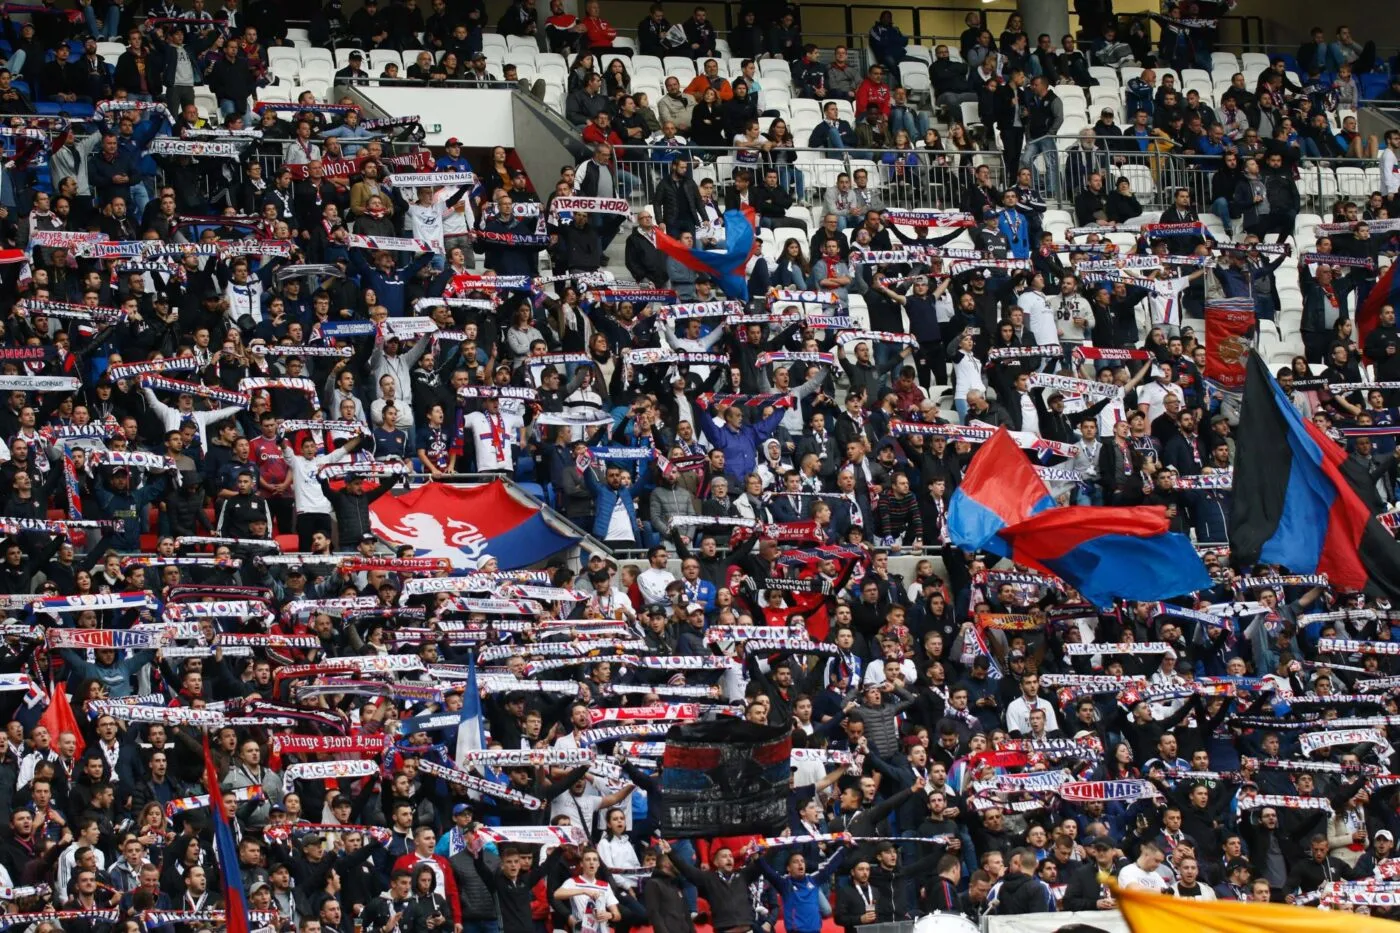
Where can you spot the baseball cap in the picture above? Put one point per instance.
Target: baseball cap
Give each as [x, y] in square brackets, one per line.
[1386, 833]
[1101, 842]
[253, 889]
[693, 607]
[357, 54]
[1017, 655]
[1235, 864]
[481, 55]
[453, 141]
[657, 609]
[461, 808]
[368, 538]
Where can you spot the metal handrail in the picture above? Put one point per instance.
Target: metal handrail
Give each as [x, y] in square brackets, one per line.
[939, 185]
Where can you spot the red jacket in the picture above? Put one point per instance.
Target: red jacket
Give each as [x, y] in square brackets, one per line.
[593, 135]
[600, 34]
[871, 93]
[447, 883]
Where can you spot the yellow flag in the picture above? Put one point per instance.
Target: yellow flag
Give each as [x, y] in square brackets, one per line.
[1158, 913]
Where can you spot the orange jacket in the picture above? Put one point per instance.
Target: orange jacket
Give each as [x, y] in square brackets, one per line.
[699, 84]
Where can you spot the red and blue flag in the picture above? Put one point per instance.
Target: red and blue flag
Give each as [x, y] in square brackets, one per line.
[728, 267]
[1109, 553]
[235, 904]
[1000, 488]
[467, 524]
[1296, 504]
[1386, 291]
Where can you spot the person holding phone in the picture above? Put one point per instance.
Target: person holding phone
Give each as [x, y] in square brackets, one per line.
[427, 911]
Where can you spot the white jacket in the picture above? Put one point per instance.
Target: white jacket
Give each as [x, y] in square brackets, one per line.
[173, 418]
[306, 484]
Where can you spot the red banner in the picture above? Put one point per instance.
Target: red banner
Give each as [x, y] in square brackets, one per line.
[1230, 327]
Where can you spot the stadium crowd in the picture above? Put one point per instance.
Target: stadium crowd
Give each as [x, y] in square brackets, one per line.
[1019, 93]
[222, 345]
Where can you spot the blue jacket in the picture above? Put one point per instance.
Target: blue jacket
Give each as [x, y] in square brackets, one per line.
[130, 509]
[389, 289]
[1210, 508]
[446, 163]
[801, 911]
[1017, 230]
[740, 447]
[1139, 97]
[605, 499]
[116, 677]
[134, 146]
[887, 41]
[511, 260]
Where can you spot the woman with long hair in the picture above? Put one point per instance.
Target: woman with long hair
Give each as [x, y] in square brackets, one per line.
[782, 155]
[793, 269]
[1117, 765]
[1300, 369]
[522, 332]
[961, 142]
[901, 165]
[495, 178]
[583, 63]
[185, 853]
[936, 164]
[616, 78]
[1014, 30]
[707, 123]
[154, 831]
